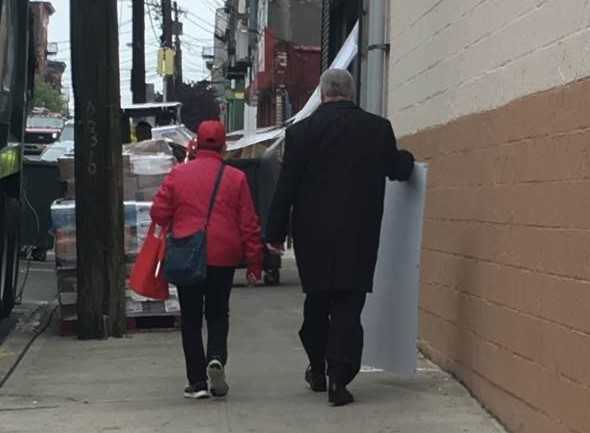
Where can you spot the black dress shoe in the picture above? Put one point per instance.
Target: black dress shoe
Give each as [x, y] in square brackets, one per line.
[338, 395]
[317, 382]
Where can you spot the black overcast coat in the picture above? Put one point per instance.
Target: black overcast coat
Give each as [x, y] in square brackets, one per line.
[333, 178]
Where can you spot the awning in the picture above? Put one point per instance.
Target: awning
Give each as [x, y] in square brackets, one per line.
[342, 61]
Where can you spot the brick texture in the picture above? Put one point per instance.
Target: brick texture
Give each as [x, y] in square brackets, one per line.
[505, 280]
[451, 58]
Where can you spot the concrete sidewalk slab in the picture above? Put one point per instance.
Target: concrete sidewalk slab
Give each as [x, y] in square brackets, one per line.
[135, 384]
[26, 323]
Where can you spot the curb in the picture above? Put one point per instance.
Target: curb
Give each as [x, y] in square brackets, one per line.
[34, 321]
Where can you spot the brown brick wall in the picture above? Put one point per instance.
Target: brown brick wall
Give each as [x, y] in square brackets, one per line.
[505, 282]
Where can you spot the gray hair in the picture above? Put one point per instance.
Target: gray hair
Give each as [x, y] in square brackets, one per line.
[337, 83]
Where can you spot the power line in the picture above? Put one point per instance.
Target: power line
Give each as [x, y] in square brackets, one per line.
[149, 6]
[201, 19]
[212, 31]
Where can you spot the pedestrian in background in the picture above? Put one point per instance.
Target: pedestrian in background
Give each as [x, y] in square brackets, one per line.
[333, 180]
[233, 234]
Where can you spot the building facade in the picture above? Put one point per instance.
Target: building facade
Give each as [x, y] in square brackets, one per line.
[41, 11]
[494, 95]
[273, 59]
[50, 70]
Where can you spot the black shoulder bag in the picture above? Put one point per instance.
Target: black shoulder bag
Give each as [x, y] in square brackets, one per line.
[185, 260]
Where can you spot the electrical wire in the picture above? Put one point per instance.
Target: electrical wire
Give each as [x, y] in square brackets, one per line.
[200, 26]
[201, 20]
[19, 296]
[152, 22]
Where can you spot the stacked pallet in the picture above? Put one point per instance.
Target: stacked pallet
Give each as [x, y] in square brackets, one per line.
[143, 174]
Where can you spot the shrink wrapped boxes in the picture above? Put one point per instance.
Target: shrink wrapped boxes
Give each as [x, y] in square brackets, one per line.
[145, 165]
[65, 247]
[137, 221]
[137, 306]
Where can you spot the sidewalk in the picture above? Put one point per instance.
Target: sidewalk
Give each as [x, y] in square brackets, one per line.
[135, 384]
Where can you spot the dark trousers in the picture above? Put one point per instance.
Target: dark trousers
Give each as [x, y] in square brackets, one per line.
[332, 332]
[212, 294]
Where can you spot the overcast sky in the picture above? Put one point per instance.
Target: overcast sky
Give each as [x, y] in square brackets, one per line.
[198, 33]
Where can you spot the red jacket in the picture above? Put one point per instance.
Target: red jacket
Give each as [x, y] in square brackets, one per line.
[234, 232]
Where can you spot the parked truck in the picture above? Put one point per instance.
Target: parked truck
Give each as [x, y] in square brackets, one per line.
[16, 82]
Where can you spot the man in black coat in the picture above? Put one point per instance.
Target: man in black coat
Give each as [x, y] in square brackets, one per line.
[333, 181]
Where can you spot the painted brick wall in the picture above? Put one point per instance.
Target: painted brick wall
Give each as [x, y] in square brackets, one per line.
[494, 95]
[450, 58]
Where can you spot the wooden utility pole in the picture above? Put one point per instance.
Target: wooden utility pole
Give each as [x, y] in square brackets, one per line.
[167, 43]
[138, 71]
[98, 167]
[177, 47]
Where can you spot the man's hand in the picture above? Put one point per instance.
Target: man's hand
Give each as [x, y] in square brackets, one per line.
[275, 248]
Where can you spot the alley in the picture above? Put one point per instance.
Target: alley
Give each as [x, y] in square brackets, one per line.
[134, 384]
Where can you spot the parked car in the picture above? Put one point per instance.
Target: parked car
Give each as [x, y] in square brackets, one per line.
[42, 129]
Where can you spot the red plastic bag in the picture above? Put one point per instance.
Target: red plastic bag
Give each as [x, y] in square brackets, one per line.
[147, 278]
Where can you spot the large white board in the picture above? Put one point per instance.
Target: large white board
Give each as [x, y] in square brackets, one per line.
[390, 317]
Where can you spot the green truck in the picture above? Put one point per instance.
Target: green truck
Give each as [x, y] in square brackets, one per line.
[16, 82]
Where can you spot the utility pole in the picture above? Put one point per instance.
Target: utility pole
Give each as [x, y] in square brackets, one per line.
[98, 168]
[177, 47]
[138, 71]
[167, 43]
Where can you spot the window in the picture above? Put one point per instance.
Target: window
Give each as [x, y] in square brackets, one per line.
[45, 122]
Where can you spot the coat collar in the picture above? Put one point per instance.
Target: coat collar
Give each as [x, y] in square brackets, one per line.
[335, 105]
[208, 154]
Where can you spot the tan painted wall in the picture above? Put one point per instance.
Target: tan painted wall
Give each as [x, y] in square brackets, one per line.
[450, 58]
[505, 279]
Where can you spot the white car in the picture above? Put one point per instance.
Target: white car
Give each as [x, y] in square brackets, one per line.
[65, 145]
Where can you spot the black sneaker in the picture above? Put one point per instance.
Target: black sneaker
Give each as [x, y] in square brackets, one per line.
[218, 387]
[338, 395]
[197, 391]
[317, 382]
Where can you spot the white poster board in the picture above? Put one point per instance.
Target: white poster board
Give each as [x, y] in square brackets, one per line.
[390, 316]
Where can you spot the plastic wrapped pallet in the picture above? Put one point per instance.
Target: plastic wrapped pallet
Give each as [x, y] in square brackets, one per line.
[145, 164]
[143, 220]
[138, 306]
[63, 217]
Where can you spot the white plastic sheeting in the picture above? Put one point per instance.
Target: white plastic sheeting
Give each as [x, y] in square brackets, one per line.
[390, 316]
[250, 139]
[342, 61]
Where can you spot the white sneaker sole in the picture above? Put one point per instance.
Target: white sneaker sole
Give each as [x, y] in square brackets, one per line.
[197, 395]
[218, 387]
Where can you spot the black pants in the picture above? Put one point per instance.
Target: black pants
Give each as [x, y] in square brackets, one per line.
[213, 294]
[332, 332]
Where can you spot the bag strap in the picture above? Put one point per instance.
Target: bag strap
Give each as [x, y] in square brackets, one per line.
[214, 194]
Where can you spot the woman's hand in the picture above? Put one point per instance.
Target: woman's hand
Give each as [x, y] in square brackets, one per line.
[253, 276]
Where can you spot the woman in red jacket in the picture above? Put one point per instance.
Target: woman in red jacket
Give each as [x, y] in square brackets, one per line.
[233, 234]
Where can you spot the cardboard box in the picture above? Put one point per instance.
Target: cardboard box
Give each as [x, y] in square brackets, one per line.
[67, 283]
[65, 167]
[149, 181]
[63, 214]
[145, 194]
[151, 164]
[65, 247]
[68, 298]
